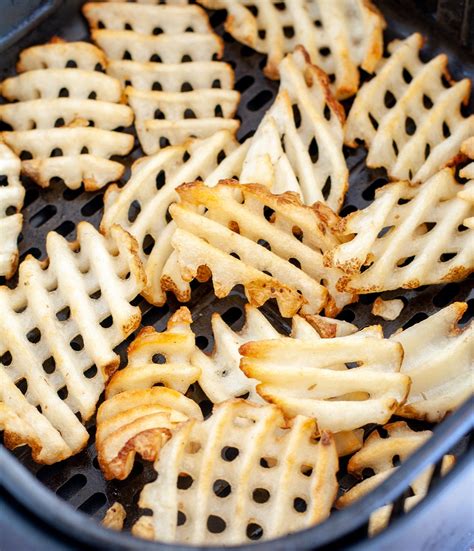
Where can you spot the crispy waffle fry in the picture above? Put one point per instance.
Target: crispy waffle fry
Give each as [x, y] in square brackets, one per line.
[298, 145]
[248, 233]
[409, 114]
[115, 517]
[58, 91]
[411, 235]
[300, 377]
[143, 59]
[138, 417]
[11, 201]
[221, 379]
[379, 454]
[245, 466]
[387, 309]
[340, 36]
[141, 206]
[439, 360]
[66, 316]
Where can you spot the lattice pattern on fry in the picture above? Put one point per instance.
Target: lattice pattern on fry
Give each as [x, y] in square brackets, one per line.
[270, 244]
[411, 235]
[340, 36]
[221, 379]
[63, 124]
[141, 206]
[438, 357]
[58, 331]
[137, 416]
[305, 377]
[11, 201]
[409, 115]
[158, 50]
[298, 144]
[380, 454]
[248, 471]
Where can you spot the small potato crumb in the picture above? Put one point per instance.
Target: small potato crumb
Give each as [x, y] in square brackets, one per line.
[387, 309]
[115, 517]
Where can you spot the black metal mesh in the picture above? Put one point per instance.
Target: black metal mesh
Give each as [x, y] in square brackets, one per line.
[78, 480]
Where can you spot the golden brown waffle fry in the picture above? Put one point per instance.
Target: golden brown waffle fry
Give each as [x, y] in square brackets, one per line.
[115, 517]
[271, 244]
[59, 324]
[411, 235]
[439, 360]
[409, 114]
[387, 309]
[65, 117]
[12, 194]
[298, 144]
[137, 416]
[166, 42]
[305, 377]
[340, 36]
[379, 454]
[242, 471]
[221, 379]
[141, 206]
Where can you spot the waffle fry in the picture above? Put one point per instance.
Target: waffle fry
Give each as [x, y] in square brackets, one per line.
[93, 169]
[170, 43]
[48, 83]
[141, 206]
[12, 194]
[146, 19]
[379, 455]
[411, 235]
[339, 36]
[299, 377]
[409, 114]
[172, 77]
[66, 316]
[387, 309]
[138, 417]
[58, 54]
[245, 466]
[438, 359]
[221, 379]
[288, 245]
[65, 117]
[182, 115]
[298, 144]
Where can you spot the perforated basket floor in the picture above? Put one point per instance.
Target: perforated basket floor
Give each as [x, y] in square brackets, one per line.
[78, 480]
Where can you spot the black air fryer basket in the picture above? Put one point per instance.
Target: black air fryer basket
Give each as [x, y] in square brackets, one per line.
[33, 509]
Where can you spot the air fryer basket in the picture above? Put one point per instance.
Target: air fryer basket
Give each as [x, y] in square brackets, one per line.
[78, 480]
